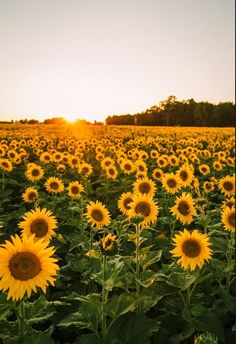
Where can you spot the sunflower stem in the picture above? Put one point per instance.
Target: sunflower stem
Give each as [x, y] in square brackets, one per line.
[104, 297]
[188, 297]
[21, 313]
[3, 180]
[139, 308]
[229, 259]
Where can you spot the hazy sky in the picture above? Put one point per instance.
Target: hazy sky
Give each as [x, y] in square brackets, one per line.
[93, 58]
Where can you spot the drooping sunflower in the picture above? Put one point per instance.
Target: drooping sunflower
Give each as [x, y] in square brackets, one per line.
[144, 206]
[171, 182]
[184, 208]
[39, 222]
[123, 202]
[192, 249]
[108, 243]
[34, 172]
[30, 195]
[227, 185]
[144, 186]
[229, 203]
[54, 185]
[97, 214]
[75, 189]
[185, 174]
[26, 265]
[228, 219]
[6, 165]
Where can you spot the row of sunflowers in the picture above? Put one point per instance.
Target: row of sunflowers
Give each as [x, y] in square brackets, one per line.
[116, 234]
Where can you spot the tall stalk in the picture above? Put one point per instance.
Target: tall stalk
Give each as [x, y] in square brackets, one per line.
[137, 261]
[104, 297]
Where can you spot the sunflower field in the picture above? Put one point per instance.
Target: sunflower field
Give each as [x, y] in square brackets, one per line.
[116, 235]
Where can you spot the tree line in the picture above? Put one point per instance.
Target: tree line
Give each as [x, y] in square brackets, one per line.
[173, 112]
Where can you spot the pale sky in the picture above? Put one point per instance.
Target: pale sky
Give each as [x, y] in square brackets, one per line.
[94, 58]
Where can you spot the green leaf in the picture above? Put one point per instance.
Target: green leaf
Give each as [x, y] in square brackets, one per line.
[131, 329]
[150, 258]
[181, 280]
[121, 304]
[90, 338]
[39, 310]
[39, 337]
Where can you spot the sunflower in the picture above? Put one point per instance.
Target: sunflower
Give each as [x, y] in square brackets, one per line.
[30, 195]
[127, 166]
[86, 169]
[41, 223]
[204, 169]
[157, 174]
[208, 186]
[171, 182]
[61, 168]
[192, 248]
[54, 185]
[45, 157]
[106, 162]
[141, 166]
[229, 203]
[75, 189]
[74, 162]
[26, 265]
[6, 165]
[108, 243]
[143, 205]
[144, 186]
[217, 166]
[227, 185]
[185, 175]
[184, 209]
[97, 214]
[228, 218]
[34, 172]
[111, 172]
[124, 201]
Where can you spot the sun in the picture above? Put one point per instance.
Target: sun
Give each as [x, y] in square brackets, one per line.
[71, 118]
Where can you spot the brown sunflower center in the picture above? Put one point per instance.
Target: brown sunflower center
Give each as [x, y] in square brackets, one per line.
[144, 187]
[39, 228]
[32, 195]
[97, 215]
[183, 208]
[157, 174]
[228, 186]
[232, 219]
[35, 172]
[171, 183]
[85, 169]
[127, 167]
[75, 190]
[74, 161]
[141, 168]
[183, 175]
[54, 185]
[126, 202]
[24, 266]
[111, 171]
[204, 169]
[5, 164]
[191, 248]
[143, 208]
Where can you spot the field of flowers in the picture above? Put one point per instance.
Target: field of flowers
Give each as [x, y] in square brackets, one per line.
[116, 235]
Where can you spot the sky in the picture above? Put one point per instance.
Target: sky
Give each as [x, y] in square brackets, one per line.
[93, 58]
